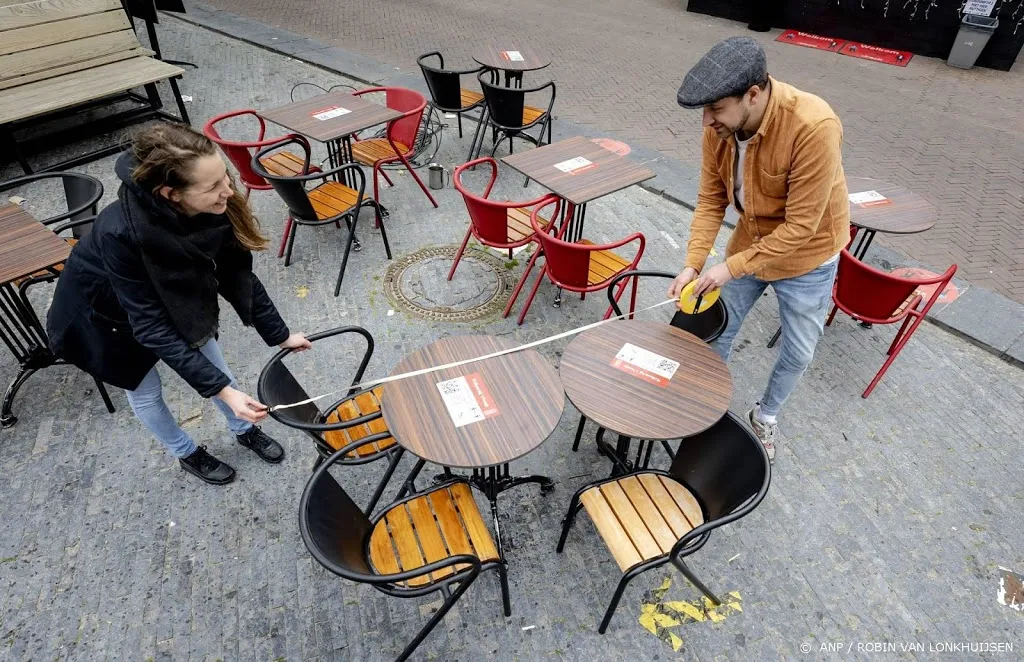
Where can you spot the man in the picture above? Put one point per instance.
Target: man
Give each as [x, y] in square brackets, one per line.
[774, 153]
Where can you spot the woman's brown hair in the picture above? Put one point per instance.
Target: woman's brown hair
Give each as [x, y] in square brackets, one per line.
[165, 153]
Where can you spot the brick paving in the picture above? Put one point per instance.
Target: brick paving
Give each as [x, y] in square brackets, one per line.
[887, 520]
[949, 134]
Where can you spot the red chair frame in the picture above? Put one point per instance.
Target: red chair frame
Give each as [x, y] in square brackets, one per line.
[869, 295]
[240, 154]
[488, 219]
[398, 129]
[576, 256]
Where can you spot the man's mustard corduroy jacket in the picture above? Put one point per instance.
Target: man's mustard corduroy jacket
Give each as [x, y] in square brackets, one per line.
[796, 210]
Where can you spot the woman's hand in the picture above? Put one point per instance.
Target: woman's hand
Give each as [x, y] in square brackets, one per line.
[297, 343]
[242, 405]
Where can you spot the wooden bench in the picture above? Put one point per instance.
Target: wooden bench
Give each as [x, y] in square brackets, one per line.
[60, 57]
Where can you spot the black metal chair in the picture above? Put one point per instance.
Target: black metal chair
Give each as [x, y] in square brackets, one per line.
[650, 518]
[353, 426]
[510, 117]
[82, 194]
[329, 203]
[447, 93]
[31, 349]
[707, 326]
[434, 541]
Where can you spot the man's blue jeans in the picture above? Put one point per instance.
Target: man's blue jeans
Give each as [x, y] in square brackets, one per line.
[803, 303]
[147, 402]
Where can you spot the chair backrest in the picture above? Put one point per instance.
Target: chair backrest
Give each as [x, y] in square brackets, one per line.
[291, 189]
[404, 100]
[81, 192]
[866, 291]
[489, 217]
[278, 386]
[445, 86]
[723, 467]
[240, 152]
[505, 104]
[44, 39]
[333, 527]
[707, 325]
[567, 263]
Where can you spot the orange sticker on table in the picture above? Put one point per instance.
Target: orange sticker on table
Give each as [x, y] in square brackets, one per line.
[467, 399]
[644, 364]
[867, 199]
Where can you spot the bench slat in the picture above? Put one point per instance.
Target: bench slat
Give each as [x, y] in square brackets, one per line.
[76, 66]
[20, 14]
[38, 62]
[58, 32]
[81, 87]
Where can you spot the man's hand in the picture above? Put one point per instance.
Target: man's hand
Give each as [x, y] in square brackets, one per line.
[296, 342]
[242, 405]
[684, 277]
[712, 279]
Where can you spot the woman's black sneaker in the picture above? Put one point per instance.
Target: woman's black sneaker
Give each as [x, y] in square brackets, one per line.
[262, 444]
[206, 467]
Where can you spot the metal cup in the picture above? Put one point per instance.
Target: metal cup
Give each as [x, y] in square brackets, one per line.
[435, 176]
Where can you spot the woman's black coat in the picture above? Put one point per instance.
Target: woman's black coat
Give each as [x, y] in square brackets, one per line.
[107, 319]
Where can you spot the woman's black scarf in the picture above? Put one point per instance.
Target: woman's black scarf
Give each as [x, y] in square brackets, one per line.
[188, 259]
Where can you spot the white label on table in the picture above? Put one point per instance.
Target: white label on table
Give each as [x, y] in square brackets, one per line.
[572, 165]
[869, 199]
[330, 113]
[513, 56]
[467, 399]
[646, 365]
[979, 7]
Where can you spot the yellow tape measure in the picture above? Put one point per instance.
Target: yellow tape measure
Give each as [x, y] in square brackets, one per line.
[688, 302]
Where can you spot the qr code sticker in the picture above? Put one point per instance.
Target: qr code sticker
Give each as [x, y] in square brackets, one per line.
[667, 365]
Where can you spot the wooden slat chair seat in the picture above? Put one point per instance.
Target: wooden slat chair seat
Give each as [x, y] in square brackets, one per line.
[532, 113]
[361, 405]
[332, 198]
[519, 224]
[371, 150]
[603, 265]
[469, 97]
[641, 516]
[283, 163]
[443, 523]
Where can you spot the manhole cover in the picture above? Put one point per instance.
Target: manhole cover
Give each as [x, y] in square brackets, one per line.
[418, 284]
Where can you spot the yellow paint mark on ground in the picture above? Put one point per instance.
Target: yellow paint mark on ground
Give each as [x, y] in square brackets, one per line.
[302, 291]
[661, 618]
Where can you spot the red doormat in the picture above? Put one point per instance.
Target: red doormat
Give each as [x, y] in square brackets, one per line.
[811, 40]
[885, 55]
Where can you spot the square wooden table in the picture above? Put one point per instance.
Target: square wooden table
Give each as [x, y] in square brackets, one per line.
[27, 247]
[578, 170]
[330, 117]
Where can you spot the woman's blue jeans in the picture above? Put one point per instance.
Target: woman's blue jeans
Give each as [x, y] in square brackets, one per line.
[147, 402]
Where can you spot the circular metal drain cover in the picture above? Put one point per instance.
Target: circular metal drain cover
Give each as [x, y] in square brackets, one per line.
[417, 284]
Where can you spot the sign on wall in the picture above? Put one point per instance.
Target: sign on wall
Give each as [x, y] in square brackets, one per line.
[979, 7]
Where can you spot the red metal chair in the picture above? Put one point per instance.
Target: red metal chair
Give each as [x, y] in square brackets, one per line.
[869, 295]
[283, 163]
[503, 225]
[400, 143]
[578, 267]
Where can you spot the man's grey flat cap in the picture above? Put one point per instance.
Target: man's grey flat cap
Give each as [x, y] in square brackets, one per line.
[730, 68]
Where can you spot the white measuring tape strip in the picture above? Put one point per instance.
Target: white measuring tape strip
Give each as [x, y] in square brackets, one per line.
[511, 350]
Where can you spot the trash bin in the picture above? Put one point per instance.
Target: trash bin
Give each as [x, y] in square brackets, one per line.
[974, 34]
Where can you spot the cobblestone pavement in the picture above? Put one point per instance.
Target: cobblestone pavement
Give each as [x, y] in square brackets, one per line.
[945, 133]
[887, 520]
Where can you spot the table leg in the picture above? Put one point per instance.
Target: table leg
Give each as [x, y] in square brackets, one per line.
[339, 152]
[574, 215]
[494, 480]
[26, 338]
[409, 486]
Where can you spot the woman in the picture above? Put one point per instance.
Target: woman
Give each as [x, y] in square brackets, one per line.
[142, 287]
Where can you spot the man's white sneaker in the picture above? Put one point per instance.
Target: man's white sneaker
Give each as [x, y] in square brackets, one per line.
[768, 433]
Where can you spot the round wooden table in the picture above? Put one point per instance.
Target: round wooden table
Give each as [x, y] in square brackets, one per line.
[518, 398]
[512, 58]
[894, 210]
[639, 403]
